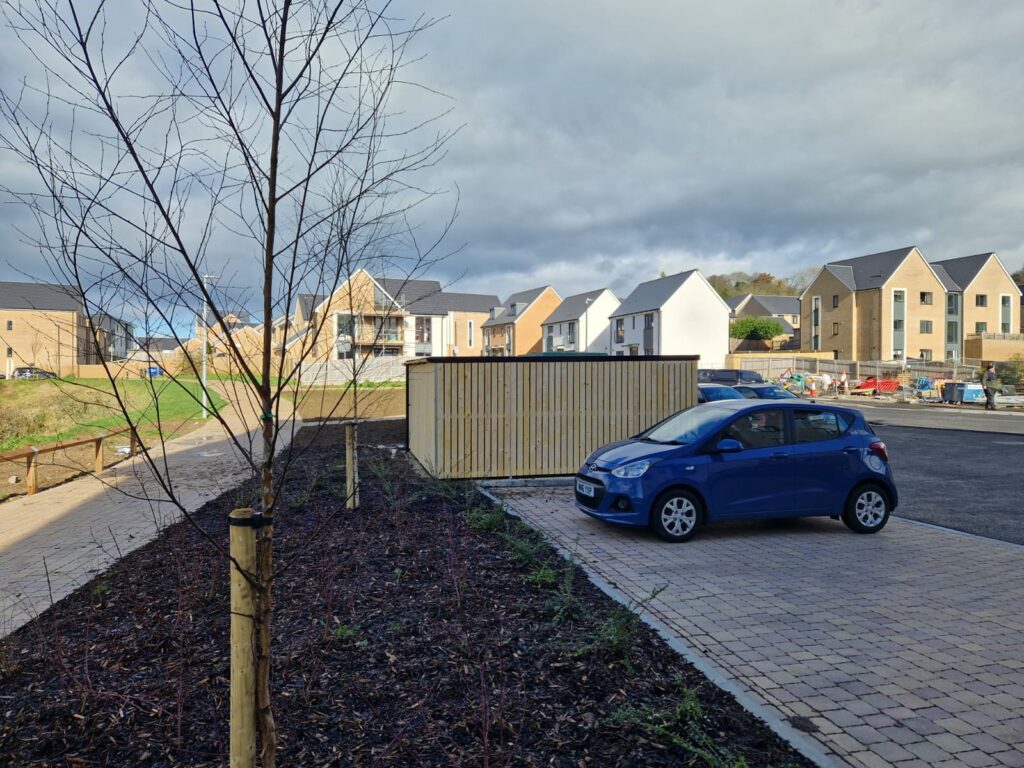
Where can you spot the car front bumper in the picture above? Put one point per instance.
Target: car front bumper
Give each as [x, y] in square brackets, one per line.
[616, 500]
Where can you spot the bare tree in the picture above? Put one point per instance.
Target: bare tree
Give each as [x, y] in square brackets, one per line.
[166, 134]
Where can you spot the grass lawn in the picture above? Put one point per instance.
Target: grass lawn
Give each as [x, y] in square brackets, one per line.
[43, 412]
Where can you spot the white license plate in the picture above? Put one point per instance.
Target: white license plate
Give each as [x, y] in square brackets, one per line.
[585, 488]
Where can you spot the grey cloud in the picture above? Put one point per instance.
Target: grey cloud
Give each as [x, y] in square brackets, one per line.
[605, 142]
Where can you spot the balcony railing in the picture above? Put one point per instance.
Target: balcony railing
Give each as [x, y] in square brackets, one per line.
[986, 336]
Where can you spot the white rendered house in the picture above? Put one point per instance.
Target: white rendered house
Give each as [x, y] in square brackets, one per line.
[580, 323]
[679, 314]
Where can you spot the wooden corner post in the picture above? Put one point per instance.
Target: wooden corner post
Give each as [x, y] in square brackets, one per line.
[243, 676]
[351, 466]
[99, 455]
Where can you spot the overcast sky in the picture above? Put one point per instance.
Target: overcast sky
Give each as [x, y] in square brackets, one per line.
[605, 142]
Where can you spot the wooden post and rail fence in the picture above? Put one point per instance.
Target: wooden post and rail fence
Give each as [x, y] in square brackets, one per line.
[31, 454]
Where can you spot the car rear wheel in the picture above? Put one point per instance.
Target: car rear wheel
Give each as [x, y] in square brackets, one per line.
[867, 509]
[676, 514]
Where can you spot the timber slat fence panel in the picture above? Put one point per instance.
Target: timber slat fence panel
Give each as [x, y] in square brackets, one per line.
[531, 417]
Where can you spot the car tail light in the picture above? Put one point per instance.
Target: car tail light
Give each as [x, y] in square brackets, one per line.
[878, 448]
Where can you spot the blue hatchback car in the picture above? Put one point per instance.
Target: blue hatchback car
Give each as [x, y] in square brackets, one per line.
[742, 460]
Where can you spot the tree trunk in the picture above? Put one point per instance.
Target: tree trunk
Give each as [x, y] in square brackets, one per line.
[264, 575]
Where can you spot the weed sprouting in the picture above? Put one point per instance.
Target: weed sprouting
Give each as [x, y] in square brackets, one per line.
[684, 726]
[484, 518]
[545, 576]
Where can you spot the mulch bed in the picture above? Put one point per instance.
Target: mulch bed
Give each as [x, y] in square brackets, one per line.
[426, 629]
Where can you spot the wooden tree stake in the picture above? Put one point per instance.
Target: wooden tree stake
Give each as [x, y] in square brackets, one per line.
[351, 467]
[31, 472]
[243, 676]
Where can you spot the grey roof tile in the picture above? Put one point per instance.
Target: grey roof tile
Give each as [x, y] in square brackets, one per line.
[652, 294]
[779, 305]
[503, 317]
[874, 269]
[573, 307]
[42, 296]
[963, 270]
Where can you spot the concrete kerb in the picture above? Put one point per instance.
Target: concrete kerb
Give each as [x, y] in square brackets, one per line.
[784, 730]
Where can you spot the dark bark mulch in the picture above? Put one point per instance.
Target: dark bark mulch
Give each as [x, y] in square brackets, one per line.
[426, 629]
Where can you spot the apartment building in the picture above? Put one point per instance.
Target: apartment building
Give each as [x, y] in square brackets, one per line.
[440, 323]
[514, 328]
[46, 326]
[896, 305]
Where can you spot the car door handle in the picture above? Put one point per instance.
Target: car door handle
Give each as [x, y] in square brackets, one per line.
[851, 449]
[780, 456]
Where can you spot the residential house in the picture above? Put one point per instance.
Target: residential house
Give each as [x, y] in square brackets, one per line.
[784, 309]
[680, 314]
[158, 350]
[982, 308]
[358, 319]
[440, 323]
[580, 323]
[116, 337]
[896, 305]
[44, 326]
[514, 328]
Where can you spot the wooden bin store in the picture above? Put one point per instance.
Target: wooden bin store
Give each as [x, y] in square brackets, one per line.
[502, 417]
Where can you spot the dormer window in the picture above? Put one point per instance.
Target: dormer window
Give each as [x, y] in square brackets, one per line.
[512, 309]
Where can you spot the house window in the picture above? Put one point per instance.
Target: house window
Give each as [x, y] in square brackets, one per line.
[10, 353]
[381, 302]
[634, 349]
[10, 325]
[620, 331]
[926, 326]
[469, 331]
[981, 327]
[952, 303]
[649, 320]
[572, 333]
[897, 354]
[835, 300]
[835, 329]
[926, 354]
[926, 297]
[386, 328]
[1005, 327]
[952, 332]
[981, 300]
[634, 323]
[794, 319]
[422, 330]
[345, 325]
[897, 325]
[815, 342]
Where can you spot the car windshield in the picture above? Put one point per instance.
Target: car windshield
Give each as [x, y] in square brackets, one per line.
[712, 393]
[774, 393]
[687, 426]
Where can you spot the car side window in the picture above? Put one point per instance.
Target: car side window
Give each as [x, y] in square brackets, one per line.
[747, 392]
[760, 429]
[811, 426]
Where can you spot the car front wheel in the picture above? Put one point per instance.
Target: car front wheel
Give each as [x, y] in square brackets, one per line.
[676, 514]
[867, 509]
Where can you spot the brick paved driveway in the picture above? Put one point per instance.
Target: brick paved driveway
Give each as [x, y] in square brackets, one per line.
[904, 648]
[55, 541]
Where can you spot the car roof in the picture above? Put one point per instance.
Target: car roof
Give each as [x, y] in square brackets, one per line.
[753, 405]
[757, 384]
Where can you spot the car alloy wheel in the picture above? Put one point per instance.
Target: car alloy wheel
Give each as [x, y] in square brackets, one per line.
[867, 510]
[676, 515]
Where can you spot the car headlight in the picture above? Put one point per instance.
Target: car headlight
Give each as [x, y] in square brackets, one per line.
[634, 469]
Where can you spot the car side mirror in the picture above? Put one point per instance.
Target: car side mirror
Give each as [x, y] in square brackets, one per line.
[729, 446]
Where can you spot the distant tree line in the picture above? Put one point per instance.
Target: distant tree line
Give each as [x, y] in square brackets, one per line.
[761, 283]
